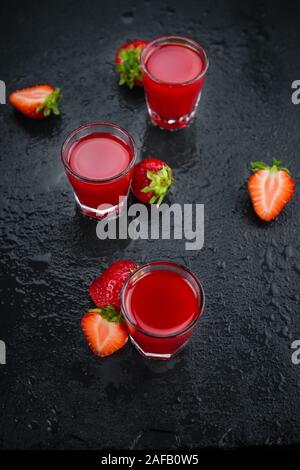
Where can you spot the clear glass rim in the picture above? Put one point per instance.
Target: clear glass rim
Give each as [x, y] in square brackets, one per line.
[65, 151]
[165, 265]
[167, 39]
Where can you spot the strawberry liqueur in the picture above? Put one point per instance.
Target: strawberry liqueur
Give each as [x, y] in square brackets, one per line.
[161, 303]
[174, 70]
[99, 156]
[98, 160]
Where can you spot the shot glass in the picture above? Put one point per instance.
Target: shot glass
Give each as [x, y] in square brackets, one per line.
[161, 303]
[174, 69]
[98, 159]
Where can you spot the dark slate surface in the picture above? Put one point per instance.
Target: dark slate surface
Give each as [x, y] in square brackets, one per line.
[234, 385]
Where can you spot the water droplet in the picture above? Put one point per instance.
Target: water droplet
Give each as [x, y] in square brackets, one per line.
[221, 264]
[288, 252]
[269, 259]
[170, 11]
[274, 289]
[41, 261]
[34, 425]
[127, 17]
[297, 268]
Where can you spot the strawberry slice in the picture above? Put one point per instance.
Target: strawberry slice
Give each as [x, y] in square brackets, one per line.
[37, 102]
[270, 189]
[127, 60]
[106, 288]
[104, 330]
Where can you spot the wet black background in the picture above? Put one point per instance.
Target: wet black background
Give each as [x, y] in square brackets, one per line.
[234, 385]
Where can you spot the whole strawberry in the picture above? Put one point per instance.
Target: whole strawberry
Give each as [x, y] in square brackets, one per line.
[127, 60]
[37, 102]
[151, 181]
[106, 289]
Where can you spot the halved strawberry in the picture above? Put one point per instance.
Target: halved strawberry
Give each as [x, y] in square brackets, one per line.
[152, 180]
[127, 60]
[37, 102]
[106, 288]
[104, 330]
[270, 189]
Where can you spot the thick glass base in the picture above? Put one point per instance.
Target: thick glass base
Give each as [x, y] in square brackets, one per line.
[157, 356]
[150, 355]
[172, 124]
[105, 210]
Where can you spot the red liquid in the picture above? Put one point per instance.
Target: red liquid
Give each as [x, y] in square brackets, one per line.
[99, 156]
[169, 66]
[174, 64]
[161, 303]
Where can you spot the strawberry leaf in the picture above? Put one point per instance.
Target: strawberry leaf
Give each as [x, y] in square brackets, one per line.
[258, 166]
[51, 103]
[129, 66]
[274, 167]
[160, 184]
[109, 313]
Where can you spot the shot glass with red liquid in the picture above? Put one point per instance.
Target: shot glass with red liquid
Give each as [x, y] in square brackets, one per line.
[99, 160]
[161, 303]
[174, 70]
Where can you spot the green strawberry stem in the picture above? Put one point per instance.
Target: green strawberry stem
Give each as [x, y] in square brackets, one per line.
[129, 68]
[51, 103]
[263, 166]
[160, 184]
[109, 313]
